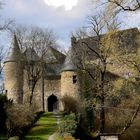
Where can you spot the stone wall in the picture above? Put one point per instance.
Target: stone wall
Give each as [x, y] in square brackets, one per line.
[67, 86]
[13, 79]
[52, 87]
[37, 96]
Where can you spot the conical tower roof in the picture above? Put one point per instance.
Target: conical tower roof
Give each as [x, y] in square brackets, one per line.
[69, 63]
[14, 54]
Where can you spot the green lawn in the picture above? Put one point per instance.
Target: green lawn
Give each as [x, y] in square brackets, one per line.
[3, 137]
[44, 127]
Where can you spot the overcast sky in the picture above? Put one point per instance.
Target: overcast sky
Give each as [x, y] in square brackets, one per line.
[63, 16]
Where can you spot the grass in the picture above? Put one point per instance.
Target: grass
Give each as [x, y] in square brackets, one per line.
[44, 127]
[3, 137]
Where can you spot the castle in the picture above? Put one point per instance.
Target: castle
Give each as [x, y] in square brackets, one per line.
[61, 75]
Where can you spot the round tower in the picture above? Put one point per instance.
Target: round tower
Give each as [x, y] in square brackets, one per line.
[69, 78]
[13, 73]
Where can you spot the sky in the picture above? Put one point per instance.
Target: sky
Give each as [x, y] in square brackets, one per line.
[63, 16]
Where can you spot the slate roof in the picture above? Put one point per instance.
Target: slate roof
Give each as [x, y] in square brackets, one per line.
[15, 54]
[69, 62]
[53, 60]
[54, 56]
[49, 71]
[31, 55]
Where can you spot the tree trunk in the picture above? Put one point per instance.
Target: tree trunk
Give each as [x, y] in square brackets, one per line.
[31, 94]
[102, 115]
[31, 97]
[102, 100]
[43, 106]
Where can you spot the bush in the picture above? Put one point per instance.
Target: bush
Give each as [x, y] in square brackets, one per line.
[3, 103]
[68, 137]
[19, 117]
[70, 104]
[3, 99]
[68, 125]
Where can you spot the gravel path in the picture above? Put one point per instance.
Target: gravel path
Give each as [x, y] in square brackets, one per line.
[52, 137]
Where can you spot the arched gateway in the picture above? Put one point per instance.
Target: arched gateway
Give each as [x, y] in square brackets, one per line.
[52, 103]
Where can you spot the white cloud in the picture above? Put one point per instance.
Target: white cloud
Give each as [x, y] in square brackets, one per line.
[63, 16]
[68, 4]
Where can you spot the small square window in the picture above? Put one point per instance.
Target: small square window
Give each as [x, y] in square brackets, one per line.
[74, 79]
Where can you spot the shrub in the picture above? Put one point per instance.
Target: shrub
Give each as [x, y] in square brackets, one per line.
[18, 118]
[68, 124]
[90, 118]
[70, 104]
[68, 137]
[3, 103]
[2, 112]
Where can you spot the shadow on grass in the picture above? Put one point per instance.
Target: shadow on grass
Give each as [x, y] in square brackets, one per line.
[47, 115]
[44, 127]
[3, 137]
[34, 138]
[41, 130]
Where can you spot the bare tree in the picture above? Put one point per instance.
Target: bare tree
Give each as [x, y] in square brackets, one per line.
[132, 60]
[5, 25]
[126, 5]
[96, 51]
[34, 42]
[93, 56]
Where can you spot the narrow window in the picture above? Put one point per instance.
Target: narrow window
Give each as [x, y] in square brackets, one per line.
[74, 79]
[6, 91]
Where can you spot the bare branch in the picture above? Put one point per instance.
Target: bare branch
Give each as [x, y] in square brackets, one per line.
[134, 4]
[130, 122]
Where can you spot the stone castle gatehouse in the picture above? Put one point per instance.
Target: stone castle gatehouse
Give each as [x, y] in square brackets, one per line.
[59, 79]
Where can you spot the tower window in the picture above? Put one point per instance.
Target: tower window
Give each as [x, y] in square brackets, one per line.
[74, 79]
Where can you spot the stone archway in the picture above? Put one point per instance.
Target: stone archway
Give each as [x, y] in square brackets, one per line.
[52, 103]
